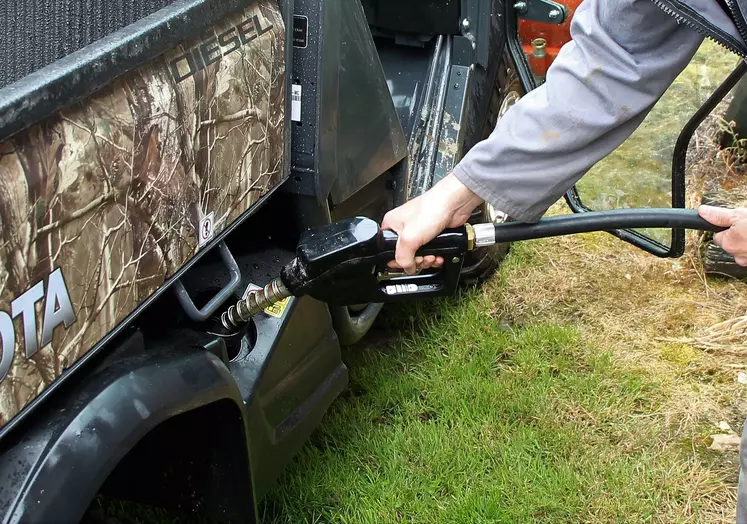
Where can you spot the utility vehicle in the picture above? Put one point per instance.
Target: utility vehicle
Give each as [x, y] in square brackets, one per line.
[161, 158]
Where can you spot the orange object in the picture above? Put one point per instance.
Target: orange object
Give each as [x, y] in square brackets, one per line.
[532, 34]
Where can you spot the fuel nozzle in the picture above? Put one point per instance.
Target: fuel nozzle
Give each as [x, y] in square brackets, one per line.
[258, 300]
[345, 263]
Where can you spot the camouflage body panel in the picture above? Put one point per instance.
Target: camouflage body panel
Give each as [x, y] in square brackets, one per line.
[112, 190]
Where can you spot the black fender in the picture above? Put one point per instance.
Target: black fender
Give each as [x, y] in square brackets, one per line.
[57, 468]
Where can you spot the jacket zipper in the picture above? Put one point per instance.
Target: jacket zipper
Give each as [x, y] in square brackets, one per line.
[706, 30]
[737, 18]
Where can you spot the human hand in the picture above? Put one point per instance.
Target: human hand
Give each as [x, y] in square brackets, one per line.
[447, 204]
[734, 239]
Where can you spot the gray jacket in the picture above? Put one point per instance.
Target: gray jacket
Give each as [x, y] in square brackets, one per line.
[623, 57]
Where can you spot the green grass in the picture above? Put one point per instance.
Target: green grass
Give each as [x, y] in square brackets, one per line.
[464, 419]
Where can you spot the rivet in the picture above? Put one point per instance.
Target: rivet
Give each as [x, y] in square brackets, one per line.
[456, 260]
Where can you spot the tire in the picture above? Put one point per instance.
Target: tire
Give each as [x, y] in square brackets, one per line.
[481, 264]
[351, 323]
[716, 261]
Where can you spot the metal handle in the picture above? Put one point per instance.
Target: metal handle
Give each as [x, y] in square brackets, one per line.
[200, 315]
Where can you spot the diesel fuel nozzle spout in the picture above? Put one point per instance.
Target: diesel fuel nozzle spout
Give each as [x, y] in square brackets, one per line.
[239, 314]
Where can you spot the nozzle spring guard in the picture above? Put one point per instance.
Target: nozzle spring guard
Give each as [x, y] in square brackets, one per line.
[238, 315]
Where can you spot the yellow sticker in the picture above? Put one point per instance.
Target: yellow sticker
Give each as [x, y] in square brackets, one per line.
[277, 310]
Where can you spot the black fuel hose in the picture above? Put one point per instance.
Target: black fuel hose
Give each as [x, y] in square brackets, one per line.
[358, 246]
[603, 221]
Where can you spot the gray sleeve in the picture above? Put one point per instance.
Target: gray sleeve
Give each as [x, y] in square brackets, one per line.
[742, 483]
[623, 57]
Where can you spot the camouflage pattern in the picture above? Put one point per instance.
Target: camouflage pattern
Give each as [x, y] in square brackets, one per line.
[113, 189]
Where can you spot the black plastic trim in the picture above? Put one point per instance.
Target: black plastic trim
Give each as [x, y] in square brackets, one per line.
[88, 442]
[78, 75]
[287, 7]
[477, 15]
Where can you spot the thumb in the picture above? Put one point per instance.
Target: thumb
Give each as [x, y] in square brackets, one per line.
[718, 216]
[405, 254]
[391, 222]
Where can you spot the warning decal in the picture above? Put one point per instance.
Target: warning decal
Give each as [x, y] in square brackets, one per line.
[278, 309]
[206, 229]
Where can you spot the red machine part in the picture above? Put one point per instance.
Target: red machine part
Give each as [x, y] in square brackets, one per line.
[532, 35]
